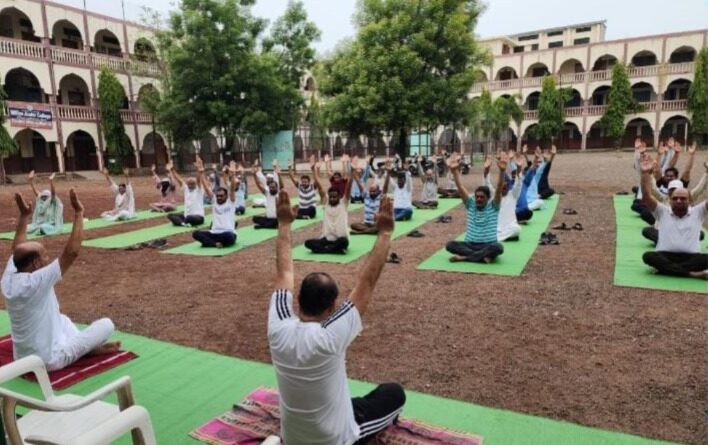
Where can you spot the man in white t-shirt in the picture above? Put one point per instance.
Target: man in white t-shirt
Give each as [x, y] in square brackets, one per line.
[269, 185]
[223, 223]
[124, 206]
[508, 228]
[403, 196]
[308, 348]
[335, 222]
[193, 190]
[36, 324]
[678, 250]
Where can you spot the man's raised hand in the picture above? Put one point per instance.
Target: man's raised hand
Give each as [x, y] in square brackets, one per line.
[647, 164]
[52, 176]
[453, 162]
[30, 176]
[75, 203]
[554, 149]
[488, 161]
[24, 207]
[692, 149]
[286, 213]
[384, 218]
[503, 161]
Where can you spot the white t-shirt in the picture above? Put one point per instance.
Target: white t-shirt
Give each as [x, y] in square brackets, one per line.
[124, 202]
[309, 361]
[271, 204]
[403, 196]
[193, 201]
[36, 324]
[223, 217]
[679, 234]
[336, 221]
[507, 209]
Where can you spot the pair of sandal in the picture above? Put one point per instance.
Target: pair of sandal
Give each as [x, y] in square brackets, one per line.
[394, 258]
[570, 211]
[548, 238]
[444, 219]
[154, 244]
[416, 234]
[563, 226]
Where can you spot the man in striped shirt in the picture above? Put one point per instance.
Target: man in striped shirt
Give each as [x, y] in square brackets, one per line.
[480, 244]
[306, 192]
[372, 201]
[308, 347]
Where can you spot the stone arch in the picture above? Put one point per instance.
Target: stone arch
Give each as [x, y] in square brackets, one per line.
[506, 73]
[105, 42]
[80, 152]
[677, 126]
[15, 24]
[597, 137]
[537, 69]
[310, 84]
[23, 86]
[153, 150]
[209, 149]
[683, 54]
[638, 128]
[145, 89]
[599, 95]
[570, 137]
[643, 58]
[576, 99]
[449, 140]
[677, 89]
[528, 137]
[604, 62]
[35, 153]
[480, 76]
[571, 66]
[144, 50]
[531, 102]
[67, 35]
[644, 92]
[73, 91]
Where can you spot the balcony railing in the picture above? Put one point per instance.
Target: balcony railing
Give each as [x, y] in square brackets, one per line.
[67, 56]
[599, 110]
[592, 76]
[77, 113]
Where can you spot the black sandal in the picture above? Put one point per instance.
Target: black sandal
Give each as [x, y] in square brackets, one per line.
[578, 226]
[570, 211]
[394, 258]
[416, 234]
[563, 226]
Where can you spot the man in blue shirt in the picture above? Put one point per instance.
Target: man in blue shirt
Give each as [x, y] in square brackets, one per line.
[480, 244]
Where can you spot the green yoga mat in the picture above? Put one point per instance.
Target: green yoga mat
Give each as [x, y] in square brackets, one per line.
[248, 236]
[183, 388]
[516, 253]
[97, 223]
[123, 240]
[630, 270]
[360, 245]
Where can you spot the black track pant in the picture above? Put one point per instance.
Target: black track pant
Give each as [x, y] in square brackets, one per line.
[263, 222]
[209, 239]
[178, 219]
[306, 212]
[677, 264]
[378, 410]
[323, 245]
[475, 252]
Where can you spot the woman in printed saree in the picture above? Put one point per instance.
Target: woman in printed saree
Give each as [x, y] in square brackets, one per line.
[48, 215]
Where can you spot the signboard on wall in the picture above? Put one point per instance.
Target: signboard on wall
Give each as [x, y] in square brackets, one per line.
[277, 146]
[30, 115]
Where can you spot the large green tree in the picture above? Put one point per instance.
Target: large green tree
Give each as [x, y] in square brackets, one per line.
[491, 118]
[620, 103]
[551, 116]
[698, 99]
[410, 65]
[111, 98]
[8, 147]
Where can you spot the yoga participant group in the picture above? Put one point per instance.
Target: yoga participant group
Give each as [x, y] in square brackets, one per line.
[308, 345]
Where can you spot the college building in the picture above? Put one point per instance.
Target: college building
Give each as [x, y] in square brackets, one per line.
[660, 69]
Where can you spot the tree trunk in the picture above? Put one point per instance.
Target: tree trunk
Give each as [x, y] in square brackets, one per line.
[2, 170]
[402, 142]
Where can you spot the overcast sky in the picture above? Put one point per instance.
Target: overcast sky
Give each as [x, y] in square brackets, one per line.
[625, 18]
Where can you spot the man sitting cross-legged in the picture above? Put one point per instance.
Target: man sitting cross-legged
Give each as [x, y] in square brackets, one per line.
[335, 224]
[403, 196]
[36, 325]
[124, 206]
[308, 347]
[480, 244]
[372, 201]
[166, 186]
[306, 192]
[429, 177]
[678, 250]
[269, 185]
[48, 215]
[508, 228]
[193, 190]
[223, 224]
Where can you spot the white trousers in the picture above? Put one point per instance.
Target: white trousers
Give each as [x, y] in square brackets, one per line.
[120, 216]
[81, 343]
[504, 233]
[535, 205]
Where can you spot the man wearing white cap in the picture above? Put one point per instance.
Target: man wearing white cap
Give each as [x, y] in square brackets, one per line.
[48, 215]
[678, 248]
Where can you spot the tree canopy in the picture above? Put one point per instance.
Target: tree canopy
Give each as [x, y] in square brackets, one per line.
[491, 118]
[551, 116]
[698, 99]
[620, 103]
[111, 98]
[411, 65]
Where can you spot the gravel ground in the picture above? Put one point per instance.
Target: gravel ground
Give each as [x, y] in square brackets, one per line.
[560, 341]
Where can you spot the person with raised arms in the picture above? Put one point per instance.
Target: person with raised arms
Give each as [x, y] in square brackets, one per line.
[269, 185]
[124, 203]
[306, 192]
[223, 210]
[481, 244]
[678, 248]
[193, 191]
[48, 215]
[372, 201]
[308, 347]
[36, 324]
[166, 187]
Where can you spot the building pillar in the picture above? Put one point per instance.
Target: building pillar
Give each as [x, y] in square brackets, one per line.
[657, 122]
[584, 141]
[60, 157]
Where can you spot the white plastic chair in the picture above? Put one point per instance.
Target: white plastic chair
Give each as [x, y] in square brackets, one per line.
[271, 440]
[69, 419]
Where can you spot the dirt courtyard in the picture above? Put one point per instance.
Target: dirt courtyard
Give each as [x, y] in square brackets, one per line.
[559, 341]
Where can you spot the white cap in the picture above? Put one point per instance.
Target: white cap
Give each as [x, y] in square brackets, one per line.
[675, 184]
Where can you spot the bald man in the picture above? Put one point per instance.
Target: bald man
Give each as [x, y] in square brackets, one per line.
[36, 325]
